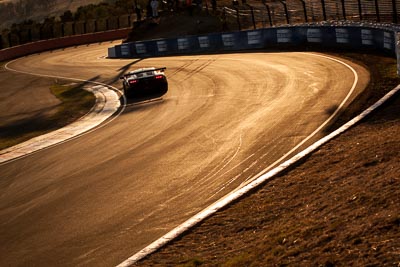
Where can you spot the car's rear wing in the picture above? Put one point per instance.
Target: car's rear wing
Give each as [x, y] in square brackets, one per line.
[130, 74]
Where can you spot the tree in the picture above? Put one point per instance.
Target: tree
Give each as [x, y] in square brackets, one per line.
[67, 16]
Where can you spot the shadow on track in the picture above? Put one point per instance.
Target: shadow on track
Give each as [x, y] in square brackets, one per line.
[123, 70]
[143, 100]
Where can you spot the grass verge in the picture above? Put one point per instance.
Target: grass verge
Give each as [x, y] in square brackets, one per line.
[74, 103]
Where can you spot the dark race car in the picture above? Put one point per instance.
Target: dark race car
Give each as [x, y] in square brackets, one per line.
[145, 81]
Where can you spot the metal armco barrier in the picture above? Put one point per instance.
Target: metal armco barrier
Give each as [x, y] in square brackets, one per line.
[341, 37]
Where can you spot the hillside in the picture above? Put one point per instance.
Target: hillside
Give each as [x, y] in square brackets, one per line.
[16, 11]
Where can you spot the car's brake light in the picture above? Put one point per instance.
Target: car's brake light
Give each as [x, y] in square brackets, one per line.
[132, 81]
[159, 77]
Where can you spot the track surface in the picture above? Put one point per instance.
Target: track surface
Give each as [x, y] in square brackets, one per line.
[96, 200]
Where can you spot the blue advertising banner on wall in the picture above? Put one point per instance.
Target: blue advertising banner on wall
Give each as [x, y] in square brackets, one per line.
[342, 37]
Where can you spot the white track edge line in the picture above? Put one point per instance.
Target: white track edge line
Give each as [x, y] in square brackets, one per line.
[229, 198]
[321, 126]
[6, 154]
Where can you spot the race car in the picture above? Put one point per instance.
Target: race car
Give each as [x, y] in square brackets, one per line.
[145, 81]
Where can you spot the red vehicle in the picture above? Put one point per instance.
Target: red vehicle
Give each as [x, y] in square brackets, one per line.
[145, 81]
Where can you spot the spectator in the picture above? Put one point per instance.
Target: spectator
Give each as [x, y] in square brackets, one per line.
[138, 11]
[148, 10]
[199, 4]
[214, 5]
[154, 8]
[189, 7]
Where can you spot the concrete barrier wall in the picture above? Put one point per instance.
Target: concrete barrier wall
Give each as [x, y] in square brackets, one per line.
[340, 37]
[40, 46]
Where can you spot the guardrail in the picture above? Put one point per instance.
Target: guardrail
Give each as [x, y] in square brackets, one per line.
[249, 14]
[332, 36]
[373, 37]
[45, 45]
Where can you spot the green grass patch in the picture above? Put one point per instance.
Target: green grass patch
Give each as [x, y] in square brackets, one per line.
[75, 102]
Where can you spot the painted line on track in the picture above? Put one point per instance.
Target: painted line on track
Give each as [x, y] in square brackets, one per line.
[107, 104]
[260, 178]
[338, 109]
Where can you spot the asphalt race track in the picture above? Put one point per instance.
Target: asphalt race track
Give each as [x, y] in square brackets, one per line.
[98, 199]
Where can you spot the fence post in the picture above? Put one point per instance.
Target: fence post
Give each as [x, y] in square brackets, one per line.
[304, 10]
[343, 10]
[238, 18]
[252, 17]
[63, 29]
[9, 40]
[224, 23]
[30, 35]
[1, 42]
[378, 17]
[323, 9]
[394, 7]
[269, 14]
[286, 11]
[40, 33]
[359, 9]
